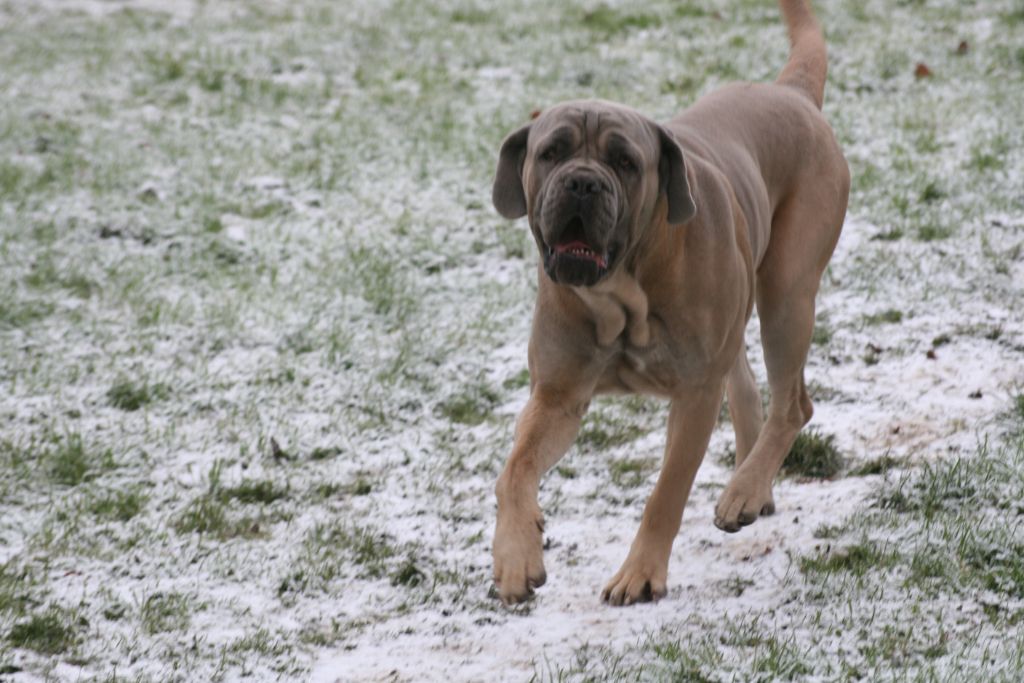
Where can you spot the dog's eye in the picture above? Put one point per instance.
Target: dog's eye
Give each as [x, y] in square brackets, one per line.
[550, 154]
[625, 164]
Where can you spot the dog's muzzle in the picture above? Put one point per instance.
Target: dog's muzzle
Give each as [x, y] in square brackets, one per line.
[573, 253]
[572, 260]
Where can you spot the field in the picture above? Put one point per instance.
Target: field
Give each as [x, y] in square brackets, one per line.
[263, 342]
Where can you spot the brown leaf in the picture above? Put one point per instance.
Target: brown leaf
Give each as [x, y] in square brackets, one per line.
[962, 48]
[534, 114]
[922, 70]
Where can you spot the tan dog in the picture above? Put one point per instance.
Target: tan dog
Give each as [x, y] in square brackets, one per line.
[656, 241]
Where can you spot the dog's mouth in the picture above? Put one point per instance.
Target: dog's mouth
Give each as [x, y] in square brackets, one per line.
[579, 250]
[573, 260]
[572, 243]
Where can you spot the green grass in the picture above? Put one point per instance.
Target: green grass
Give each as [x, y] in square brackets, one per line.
[16, 314]
[952, 511]
[1018, 407]
[813, 454]
[931, 232]
[857, 559]
[329, 548]
[164, 612]
[118, 506]
[880, 465]
[204, 515]
[253, 492]
[822, 334]
[52, 632]
[15, 594]
[604, 429]
[607, 21]
[252, 224]
[631, 472]
[890, 315]
[69, 461]
[517, 381]
[130, 396]
[325, 453]
[471, 406]
[938, 488]
[408, 574]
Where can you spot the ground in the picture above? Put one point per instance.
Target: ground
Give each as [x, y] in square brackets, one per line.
[263, 341]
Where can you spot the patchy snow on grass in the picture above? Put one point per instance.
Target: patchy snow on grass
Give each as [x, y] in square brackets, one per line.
[263, 343]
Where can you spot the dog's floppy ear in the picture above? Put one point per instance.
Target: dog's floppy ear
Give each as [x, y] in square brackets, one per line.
[508, 195]
[672, 170]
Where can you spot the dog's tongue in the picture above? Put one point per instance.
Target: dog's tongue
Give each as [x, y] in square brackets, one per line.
[580, 249]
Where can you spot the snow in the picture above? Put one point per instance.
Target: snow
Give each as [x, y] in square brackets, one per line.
[373, 171]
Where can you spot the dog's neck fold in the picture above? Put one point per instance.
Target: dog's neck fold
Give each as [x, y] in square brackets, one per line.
[618, 305]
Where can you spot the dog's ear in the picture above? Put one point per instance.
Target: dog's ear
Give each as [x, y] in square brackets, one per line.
[672, 171]
[508, 194]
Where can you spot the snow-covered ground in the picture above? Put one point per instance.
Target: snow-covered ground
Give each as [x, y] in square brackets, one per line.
[262, 345]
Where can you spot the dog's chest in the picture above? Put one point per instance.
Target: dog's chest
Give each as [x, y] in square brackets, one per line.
[634, 350]
[655, 370]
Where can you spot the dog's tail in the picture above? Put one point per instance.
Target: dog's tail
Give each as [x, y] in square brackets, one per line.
[807, 65]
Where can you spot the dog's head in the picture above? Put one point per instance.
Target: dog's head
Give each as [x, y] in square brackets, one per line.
[589, 174]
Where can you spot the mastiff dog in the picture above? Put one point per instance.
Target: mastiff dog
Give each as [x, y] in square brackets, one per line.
[656, 241]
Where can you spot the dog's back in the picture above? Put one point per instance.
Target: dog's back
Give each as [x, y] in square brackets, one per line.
[768, 138]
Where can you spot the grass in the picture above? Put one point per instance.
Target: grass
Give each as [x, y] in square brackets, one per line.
[1018, 407]
[15, 594]
[49, 633]
[946, 549]
[606, 21]
[813, 454]
[212, 513]
[822, 334]
[880, 465]
[231, 227]
[630, 473]
[890, 316]
[328, 548]
[130, 396]
[602, 430]
[471, 406]
[118, 506]
[855, 559]
[954, 502]
[164, 612]
[204, 515]
[69, 461]
[253, 492]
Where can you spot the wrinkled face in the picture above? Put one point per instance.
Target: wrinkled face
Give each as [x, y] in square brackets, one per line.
[588, 175]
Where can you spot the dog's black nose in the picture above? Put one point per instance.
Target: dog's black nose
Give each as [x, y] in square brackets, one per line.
[582, 186]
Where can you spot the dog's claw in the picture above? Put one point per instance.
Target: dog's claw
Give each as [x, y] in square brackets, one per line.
[742, 502]
[519, 557]
[636, 582]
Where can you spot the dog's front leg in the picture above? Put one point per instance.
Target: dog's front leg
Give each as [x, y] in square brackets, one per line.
[546, 428]
[644, 574]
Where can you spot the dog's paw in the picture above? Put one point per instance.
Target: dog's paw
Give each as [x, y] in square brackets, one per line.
[518, 556]
[742, 502]
[639, 580]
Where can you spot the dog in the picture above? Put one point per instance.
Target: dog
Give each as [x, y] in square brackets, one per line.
[656, 241]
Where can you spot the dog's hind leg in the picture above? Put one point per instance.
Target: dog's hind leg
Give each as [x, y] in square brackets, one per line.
[804, 233]
[745, 409]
